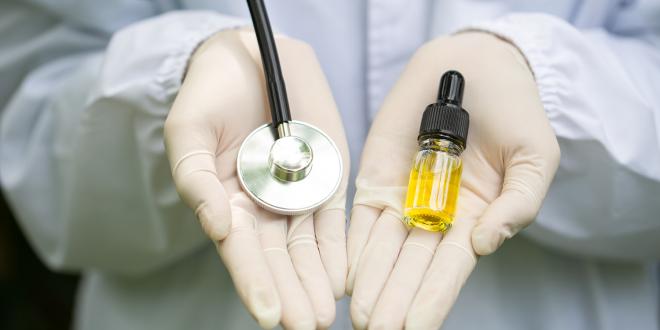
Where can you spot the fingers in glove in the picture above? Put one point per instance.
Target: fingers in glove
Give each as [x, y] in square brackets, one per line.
[330, 229]
[376, 263]
[297, 312]
[311, 101]
[306, 260]
[452, 264]
[362, 220]
[191, 151]
[242, 255]
[522, 194]
[397, 296]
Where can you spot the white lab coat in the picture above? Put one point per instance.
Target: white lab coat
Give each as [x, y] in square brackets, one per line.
[85, 88]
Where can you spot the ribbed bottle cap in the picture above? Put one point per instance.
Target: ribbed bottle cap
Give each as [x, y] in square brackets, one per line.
[447, 117]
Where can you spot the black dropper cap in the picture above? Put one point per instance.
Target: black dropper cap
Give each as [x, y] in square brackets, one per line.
[446, 118]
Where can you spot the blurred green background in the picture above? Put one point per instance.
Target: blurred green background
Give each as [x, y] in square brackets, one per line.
[31, 296]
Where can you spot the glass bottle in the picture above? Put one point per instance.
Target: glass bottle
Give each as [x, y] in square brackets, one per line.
[436, 172]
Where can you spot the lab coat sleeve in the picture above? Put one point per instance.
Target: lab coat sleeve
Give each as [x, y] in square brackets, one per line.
[601, 93]
[82, 155]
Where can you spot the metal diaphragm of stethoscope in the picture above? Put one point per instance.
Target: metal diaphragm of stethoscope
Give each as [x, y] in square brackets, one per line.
[288, 166]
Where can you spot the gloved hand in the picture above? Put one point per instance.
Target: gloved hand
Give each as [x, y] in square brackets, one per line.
[411, 278]
[279, 271]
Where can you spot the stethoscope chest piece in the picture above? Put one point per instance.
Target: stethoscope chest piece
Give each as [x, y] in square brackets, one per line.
[287, 167]
[292, 175]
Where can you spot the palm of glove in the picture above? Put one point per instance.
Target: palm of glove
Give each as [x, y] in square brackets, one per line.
[399, 277]
[279, 271]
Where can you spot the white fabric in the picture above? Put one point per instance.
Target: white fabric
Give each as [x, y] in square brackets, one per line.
[83, 165]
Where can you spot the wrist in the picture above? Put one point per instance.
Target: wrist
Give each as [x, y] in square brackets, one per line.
[210, 48]
[241, 44]
[495, 40]
[472, 48]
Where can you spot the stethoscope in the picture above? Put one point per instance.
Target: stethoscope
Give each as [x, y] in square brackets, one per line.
[288, 166]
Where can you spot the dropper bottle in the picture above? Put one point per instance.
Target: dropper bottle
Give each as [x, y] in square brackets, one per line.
[436, 172]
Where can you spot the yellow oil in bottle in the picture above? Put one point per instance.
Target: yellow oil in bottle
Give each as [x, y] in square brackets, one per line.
[433, 187]
[435, 176]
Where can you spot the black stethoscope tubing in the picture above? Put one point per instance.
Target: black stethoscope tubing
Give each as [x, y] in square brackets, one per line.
[276, 89]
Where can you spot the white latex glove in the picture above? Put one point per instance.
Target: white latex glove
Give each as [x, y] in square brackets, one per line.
[287, 270]
[411, 278]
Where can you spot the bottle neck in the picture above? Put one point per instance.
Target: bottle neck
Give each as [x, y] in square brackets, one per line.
[441, 143]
